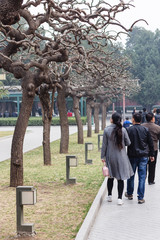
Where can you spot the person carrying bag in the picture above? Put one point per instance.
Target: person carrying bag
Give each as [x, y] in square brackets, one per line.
[113, 153]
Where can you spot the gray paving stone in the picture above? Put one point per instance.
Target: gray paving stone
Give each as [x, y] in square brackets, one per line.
[131, 220]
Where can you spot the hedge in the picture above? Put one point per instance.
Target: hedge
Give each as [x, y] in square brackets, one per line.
[37, 121]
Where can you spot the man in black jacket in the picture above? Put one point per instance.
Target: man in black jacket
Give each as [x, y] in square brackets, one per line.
[138, 152]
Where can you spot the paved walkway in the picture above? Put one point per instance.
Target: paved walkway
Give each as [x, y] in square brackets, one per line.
[33, 139]
[131, 220]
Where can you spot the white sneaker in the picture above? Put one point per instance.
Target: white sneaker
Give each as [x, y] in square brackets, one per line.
[109, 198]
[119, 201]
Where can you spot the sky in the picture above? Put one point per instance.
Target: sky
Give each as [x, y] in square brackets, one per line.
[148, 10]
[144, 9]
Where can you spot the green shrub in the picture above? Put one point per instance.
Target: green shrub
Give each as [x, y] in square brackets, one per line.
[37, 121]
[8, 121]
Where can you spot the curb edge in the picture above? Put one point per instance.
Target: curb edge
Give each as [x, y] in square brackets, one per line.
[85, 228]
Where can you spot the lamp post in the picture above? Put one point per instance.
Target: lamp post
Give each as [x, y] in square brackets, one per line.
[100, 139]
[88, 147]
[71, 161]
[134, 83]
[124, 105]
[113, 107]
[25, 195]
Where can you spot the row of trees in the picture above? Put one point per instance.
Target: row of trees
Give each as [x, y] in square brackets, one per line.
[143, 48]
[73, 59]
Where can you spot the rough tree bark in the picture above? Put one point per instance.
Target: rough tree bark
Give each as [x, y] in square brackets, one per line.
[16, 170]
[44, 97]
[61, 101]
[78, 119]
[104, 113]
[96, 117]
[9, 11]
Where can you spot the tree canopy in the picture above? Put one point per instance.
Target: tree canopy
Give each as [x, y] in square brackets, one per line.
[33, 57]
[143, 48]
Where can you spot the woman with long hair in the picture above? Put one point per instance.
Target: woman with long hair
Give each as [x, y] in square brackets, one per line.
[113, 152]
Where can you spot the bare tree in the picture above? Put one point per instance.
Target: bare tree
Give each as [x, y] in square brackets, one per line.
[69, 26]
[78, 118]
[63, 119]
[47, 111]
[100, 80]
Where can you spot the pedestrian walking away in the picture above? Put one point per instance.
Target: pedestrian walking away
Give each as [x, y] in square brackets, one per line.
[154, 130]
[127, 123]
[144, 115]
[157, 121]
[134, 111]
[113, 152]
[157, 117]
[139, 150]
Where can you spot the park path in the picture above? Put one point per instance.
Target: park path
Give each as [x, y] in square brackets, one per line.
[33, 139]
[132, 220]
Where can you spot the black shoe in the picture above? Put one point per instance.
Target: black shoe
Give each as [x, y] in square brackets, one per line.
[151, 183]
[130, 197]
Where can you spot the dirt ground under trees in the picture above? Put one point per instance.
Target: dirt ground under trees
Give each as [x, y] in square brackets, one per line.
[60, 208]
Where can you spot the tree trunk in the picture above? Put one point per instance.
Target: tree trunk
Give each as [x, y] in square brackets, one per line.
[16, 171]
[63, 120]
[89, 120]
[96, 117]
[78, 119]
[104, 113]
[47, 118]
[149, 107]
[9, 11]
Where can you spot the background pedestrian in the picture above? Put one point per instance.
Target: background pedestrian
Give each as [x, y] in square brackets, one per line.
[154, 130]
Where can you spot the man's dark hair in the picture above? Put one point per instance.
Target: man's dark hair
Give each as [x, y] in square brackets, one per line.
[149, 116]
[137, 117]
[127, 118]
[144, 109]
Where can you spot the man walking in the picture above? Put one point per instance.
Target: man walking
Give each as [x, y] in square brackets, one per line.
[144, 115]
[140, 149]
[157, 117]
[154, 130]
[157, 120]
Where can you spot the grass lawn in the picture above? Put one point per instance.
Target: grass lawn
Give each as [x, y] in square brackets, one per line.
[6, 133]
[60, 208]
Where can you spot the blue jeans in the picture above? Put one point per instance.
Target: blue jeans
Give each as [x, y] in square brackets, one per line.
[141, 164]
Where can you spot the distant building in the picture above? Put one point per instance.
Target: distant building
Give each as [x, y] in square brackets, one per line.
[10, 105]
